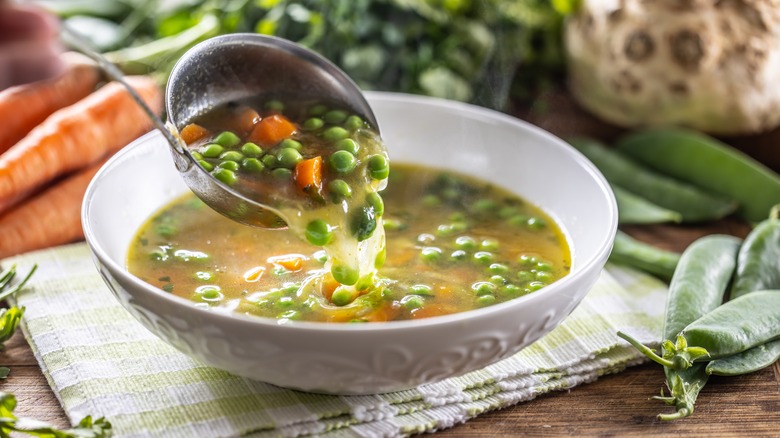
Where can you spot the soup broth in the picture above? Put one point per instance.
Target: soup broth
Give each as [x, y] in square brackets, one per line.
[453, 244]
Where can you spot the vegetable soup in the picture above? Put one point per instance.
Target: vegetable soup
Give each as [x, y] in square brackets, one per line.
[454, 244]
[319, 166]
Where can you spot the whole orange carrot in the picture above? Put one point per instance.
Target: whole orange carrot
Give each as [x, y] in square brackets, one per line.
[25, 106]
[77, 136]
[53, 217]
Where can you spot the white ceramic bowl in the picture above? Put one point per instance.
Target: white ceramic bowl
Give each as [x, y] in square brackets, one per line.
[376, 357]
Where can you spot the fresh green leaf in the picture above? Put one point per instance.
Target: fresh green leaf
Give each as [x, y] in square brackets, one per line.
[9, 321]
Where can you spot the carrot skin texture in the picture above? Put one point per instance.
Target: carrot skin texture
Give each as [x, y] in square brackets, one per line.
[24, 107]
[50, 218]
[77, 136]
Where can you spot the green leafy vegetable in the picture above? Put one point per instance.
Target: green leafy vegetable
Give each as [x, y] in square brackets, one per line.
[87, 428]
[467, 50]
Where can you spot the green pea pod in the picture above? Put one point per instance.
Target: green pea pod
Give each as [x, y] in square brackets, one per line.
[629, 251]
[706, 162]
[698, 286]
[732, 328]
[693, 204]
[700, 281]
[746, 362]
[633, 209]
[758, 266]
[736, 326]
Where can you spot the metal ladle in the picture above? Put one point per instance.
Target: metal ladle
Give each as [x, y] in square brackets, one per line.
[233, 67]
[229, 68]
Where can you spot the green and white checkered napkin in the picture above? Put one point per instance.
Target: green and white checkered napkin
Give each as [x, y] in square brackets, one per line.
[100, 361]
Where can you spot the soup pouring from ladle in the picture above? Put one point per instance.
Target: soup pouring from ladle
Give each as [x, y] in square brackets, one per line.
[232, 68]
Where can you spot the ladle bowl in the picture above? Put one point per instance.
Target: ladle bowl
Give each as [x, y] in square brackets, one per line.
[233, 67]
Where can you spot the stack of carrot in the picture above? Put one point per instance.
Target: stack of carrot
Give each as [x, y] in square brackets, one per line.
[55, 136]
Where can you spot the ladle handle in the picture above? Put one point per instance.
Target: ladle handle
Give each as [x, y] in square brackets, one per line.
[114, 73]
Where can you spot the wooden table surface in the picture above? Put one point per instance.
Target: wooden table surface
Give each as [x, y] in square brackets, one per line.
[615, 405]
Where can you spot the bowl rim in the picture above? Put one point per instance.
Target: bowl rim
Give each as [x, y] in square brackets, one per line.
[599, 258]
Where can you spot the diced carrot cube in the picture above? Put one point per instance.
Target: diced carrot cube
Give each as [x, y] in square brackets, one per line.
[193, 132]
[271, 130]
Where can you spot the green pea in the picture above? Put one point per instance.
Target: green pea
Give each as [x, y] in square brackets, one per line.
[229, 165]
[348, 145]
[292, 144]
[196, 155]
[313, 124]
[353, 122]
[269, 161]
[445, 230]
[525, 276]
[459, 255]
[518, 220]
[486, 300]
[544, 276]
[320, 256]
[528, 260]
[318, 110]
[339, 189]
[378, 167]
[251, 150]
[252, 165]
[421, 289]
[498, 268]
[231, 156]
[158, 255]
[363, 223]
[211, 150]
[209, 292]
[483, 257]
[489, 244]
[430, 253]
[227, 176]
[536, 285]
[465, 242]
[536, 223]
[274, 105]
[335, 133]
[343, 296]
[365, 282]
[334, 116]
[206, 165]
[344, 274]
[392, 224]
[498, 280]
[511, 289]
[318, 232]
[227, 139]
[374, 200]
[379, 261]
[168, 287]
[544, 266]
[483, 288]
[412, 302]
[343, 162]
[282, 173]
[484, 205]
[288, 157]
